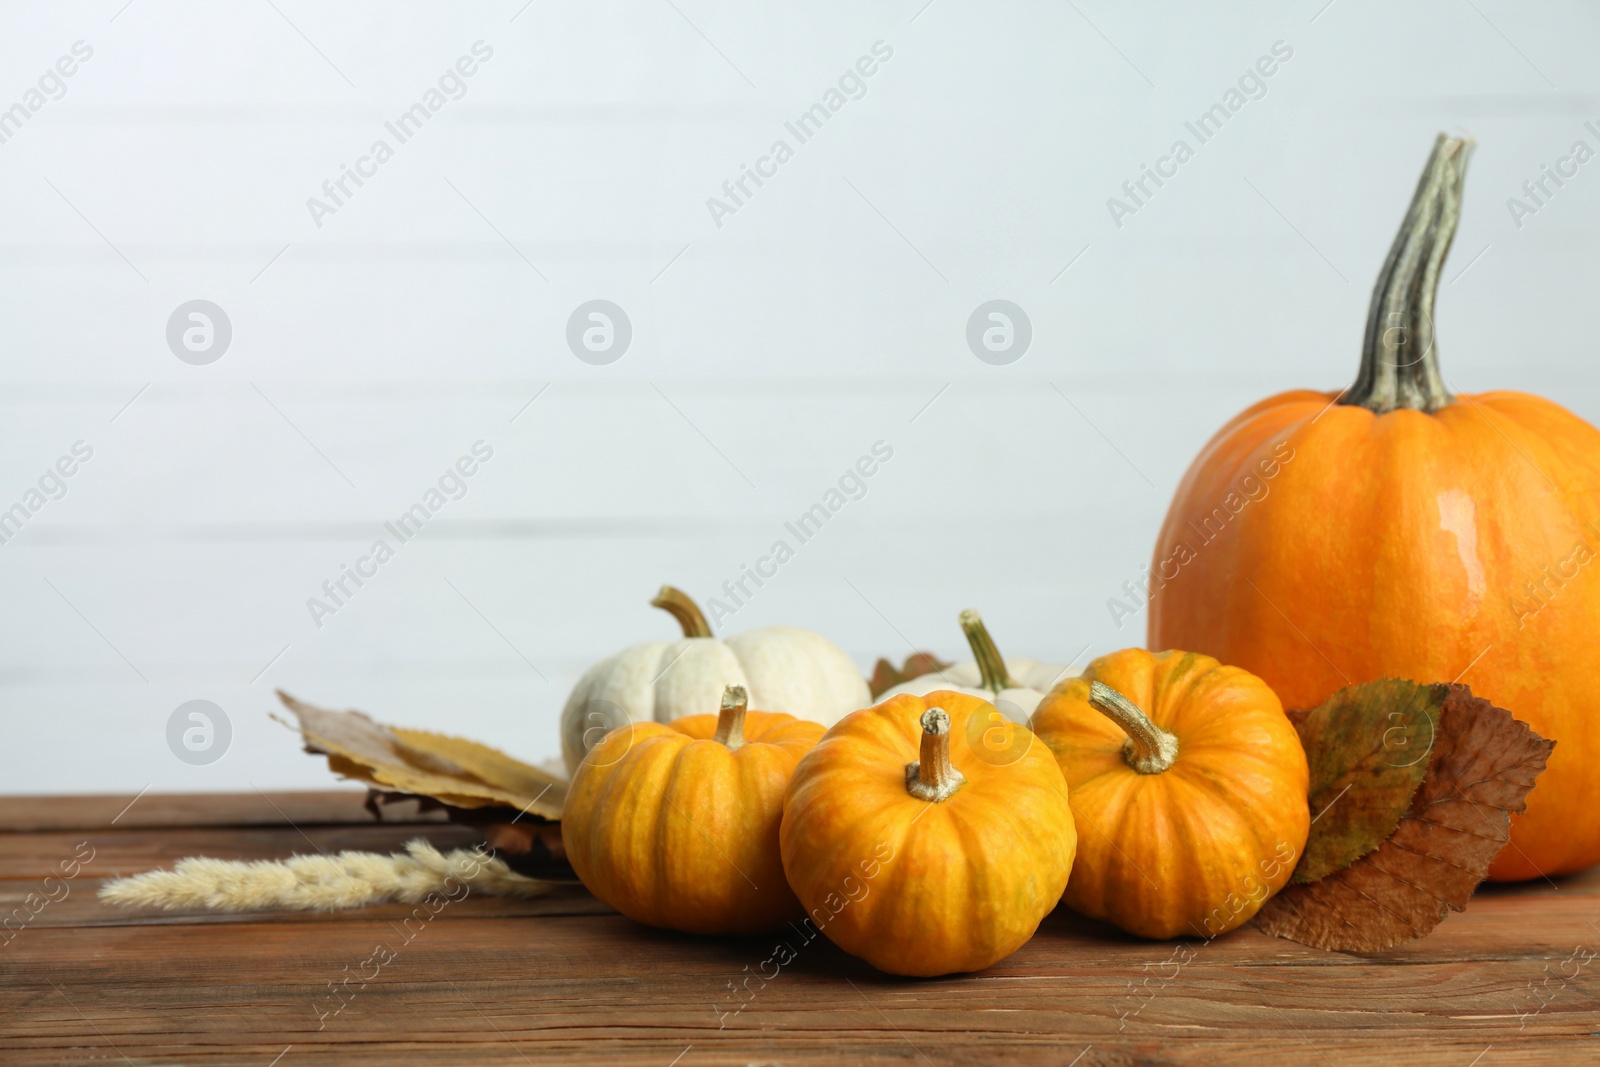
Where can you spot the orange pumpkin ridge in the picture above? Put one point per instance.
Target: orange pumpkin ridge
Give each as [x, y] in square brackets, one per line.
[928, 835]
[1406, 532]
[677, 825]
[1188, 784]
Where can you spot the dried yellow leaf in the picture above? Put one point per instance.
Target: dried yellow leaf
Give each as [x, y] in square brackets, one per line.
[451, 770]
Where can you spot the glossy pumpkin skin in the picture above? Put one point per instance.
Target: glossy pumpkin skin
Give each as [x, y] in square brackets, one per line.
[1409, 545]
[922, 888]
[1198, 848]
[674, 829]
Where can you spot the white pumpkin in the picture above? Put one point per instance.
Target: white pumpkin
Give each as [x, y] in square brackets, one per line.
[1014, 686]
[783, 669]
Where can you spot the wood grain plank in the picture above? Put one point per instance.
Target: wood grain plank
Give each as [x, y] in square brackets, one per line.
[602, 989]
[129, 812]
[117, 852]
[562, 980]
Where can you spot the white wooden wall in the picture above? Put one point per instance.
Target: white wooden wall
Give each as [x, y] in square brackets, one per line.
[768, 353]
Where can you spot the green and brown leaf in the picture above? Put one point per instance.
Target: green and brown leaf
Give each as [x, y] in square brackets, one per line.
[1482, 765]
[1369, 747]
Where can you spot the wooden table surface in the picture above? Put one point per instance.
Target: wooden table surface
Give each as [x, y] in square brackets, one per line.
[564, 980]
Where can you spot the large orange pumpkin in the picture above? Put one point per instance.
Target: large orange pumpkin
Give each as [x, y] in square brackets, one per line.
[1188, 785]
[677, 825]
[1395, 529]
[929, 834]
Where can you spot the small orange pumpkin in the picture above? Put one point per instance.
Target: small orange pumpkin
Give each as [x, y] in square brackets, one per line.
[677, 825]
[928, 835]
[1189, 787]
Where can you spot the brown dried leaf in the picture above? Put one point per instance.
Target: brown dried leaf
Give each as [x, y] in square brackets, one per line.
[885, 677]
[1484, 763]
[451, 770]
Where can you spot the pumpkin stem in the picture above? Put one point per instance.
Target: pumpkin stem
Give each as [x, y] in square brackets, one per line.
[1399, 358]
[1149, 749]
[682, 607]
[730, 722]
[933, 777]
[991, 665]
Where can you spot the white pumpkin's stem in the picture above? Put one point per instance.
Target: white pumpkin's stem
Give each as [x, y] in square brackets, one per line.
[730, 723]
[682, 607]
[991, 665]
[933, 777]
[1399, 357]
[1149, 748]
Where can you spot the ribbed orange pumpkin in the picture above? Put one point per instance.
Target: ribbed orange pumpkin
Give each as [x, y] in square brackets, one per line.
[1395, 530]
[1188, 784]
[928, 835]
[677, 825]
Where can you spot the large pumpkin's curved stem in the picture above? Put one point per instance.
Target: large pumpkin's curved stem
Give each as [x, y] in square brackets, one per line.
[682, 607]
[730, 722]
[1149, 749]
[1399, 355]
[991, 665]
[933, 777]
